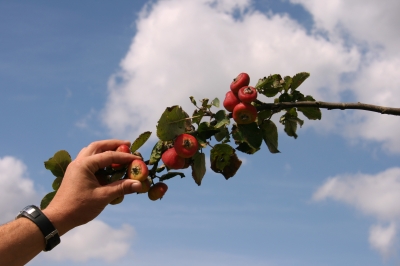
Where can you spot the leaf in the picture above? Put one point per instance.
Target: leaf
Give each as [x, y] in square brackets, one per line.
[224, 160]
[298, 79]
[221, 118]
[197, 116]
[172, 123]
[288, 82]
[193, 100]
[199, 167]
[206, 131]
[270, 86]
[262, 115]
[58, 163]
[170, 175]
[312, 113]
[248, 137]
[290, 120]
[215, 102]
[270, 135]
[204, 103]
[156, 152]
[57, 183]
[140, 141]
[221, 134]
[47, 199]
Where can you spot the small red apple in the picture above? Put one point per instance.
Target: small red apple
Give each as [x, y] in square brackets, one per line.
[186, 145]
[230, 101]
[121, 148]
[244, 113]
[247, 94]
[138, 170]
[243, 79]
[172, 160]
[145, 186]
[157, 191]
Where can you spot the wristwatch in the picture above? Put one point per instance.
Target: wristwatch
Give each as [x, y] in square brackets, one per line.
[50, 233]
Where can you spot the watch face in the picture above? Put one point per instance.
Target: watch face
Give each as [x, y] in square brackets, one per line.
[31, 211]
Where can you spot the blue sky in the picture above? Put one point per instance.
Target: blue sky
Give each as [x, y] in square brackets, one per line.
[75, 72]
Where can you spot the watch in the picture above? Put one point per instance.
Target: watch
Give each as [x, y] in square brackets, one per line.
[50, 233]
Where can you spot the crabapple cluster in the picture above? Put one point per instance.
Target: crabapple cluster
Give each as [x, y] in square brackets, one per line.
[137, 170]
[238, 100]
[178, 157]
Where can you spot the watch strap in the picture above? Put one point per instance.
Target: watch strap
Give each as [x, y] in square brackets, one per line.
[50, 233]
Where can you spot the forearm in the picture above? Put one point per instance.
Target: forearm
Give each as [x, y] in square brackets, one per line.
[21, 240]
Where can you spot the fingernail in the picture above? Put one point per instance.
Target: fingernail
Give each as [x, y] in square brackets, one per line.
[136, 186]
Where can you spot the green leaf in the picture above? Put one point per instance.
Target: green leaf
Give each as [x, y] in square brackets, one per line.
[312, 113]
[140, 141]
[287, 84]
[270, 135]
[298, 79]
[170, 175]
[172, 123]
[199, 167]
[198, 114]
[270, 86]
[220, 155]
[222, 134]
[58, 163]
[204, 103]
[193, 100]
[161, 168]
[156, 152]
[290, 120]
[206, 131]
[248, 137]
[221, 118]
[263, 115]
[224, 160]
[57, 183]
[215, 102]
[47, 199]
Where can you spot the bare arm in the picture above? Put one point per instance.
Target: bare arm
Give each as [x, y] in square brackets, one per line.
[79, 200]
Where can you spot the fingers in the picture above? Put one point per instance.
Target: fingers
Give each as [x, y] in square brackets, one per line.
[101, 146]
[104, 159]
[120, 188]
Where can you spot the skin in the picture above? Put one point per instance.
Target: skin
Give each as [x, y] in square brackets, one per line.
[80, 199]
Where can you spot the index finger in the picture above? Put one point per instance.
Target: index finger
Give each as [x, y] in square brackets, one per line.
[104, 159]
[102, 146]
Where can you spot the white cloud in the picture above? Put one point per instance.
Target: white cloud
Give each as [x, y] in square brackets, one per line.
[383, 238]
[376, 195]
[96, 240]
[194, 48]
[373, 27]
[17, 189]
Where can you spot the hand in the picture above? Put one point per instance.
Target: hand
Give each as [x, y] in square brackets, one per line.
[80, 197]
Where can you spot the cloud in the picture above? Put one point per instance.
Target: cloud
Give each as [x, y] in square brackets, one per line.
[96, 240]
[374, 31]
[195, 48]
[17, 190]
[375, 195]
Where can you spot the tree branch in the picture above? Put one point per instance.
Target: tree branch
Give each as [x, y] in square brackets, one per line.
[277, 107]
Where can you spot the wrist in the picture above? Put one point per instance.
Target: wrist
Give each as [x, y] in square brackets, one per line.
[59, 221]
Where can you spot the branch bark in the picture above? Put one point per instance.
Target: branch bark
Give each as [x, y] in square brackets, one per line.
[276, 107]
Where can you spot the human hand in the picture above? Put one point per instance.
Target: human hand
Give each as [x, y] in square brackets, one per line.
[81, 197]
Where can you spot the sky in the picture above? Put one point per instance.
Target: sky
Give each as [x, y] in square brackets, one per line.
[79, 71]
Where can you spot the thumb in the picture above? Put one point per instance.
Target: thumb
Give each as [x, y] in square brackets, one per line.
[121, 187]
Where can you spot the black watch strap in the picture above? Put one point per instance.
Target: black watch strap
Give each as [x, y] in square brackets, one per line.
[50, 233]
